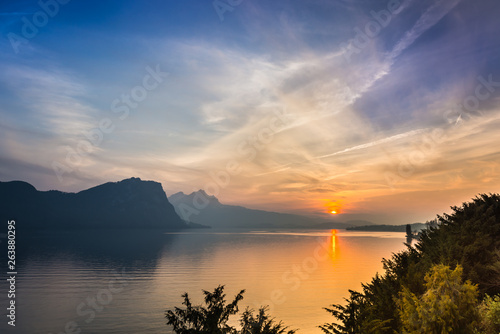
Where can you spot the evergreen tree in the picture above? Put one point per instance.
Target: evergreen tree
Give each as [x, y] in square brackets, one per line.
[213, 317]
[261, 323]
[209, 319]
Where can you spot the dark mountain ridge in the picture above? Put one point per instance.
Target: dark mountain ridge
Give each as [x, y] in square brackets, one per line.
[130, 203]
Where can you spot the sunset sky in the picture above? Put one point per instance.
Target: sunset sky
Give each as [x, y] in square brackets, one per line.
[380, 110]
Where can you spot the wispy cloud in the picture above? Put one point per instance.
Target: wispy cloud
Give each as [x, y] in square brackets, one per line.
[429, 18]
[374, 143]
[52, 97]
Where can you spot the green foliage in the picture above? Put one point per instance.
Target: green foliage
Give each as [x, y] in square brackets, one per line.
[447, 306]
[469, 237]
[261, 323]
[490, 315]
[213, 317]
[350, 315]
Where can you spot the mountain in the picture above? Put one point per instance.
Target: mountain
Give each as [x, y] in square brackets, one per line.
[415, 227]
[131, 203]
[199, 207]
[359, 222]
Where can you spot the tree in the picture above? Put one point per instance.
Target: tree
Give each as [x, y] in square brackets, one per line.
[261, 323]
[211, 319]
[350, 315]
[448, 305]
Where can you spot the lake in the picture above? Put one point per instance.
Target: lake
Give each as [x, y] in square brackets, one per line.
[122, 282]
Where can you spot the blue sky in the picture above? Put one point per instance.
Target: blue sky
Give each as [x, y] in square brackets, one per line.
[369, 107]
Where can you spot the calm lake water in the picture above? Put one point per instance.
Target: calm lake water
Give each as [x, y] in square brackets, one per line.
[102, 282]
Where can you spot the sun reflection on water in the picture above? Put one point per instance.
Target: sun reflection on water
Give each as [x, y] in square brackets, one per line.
[333, 242]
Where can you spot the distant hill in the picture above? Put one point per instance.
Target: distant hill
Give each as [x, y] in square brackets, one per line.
[201, 208]
[131, 203]
[387, 228]
[359, 222]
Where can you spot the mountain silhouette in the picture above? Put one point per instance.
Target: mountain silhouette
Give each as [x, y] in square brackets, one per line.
[131, 203]
[201, 208]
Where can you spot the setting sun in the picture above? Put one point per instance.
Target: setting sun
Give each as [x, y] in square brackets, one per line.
[333, 206]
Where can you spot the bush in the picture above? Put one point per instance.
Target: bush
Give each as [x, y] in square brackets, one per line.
[448, 305]
[213, 317]
[489, 311]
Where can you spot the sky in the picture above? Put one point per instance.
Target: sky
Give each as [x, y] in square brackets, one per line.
[380, 110]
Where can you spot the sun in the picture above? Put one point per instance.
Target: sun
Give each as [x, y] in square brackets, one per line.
[333, 207]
